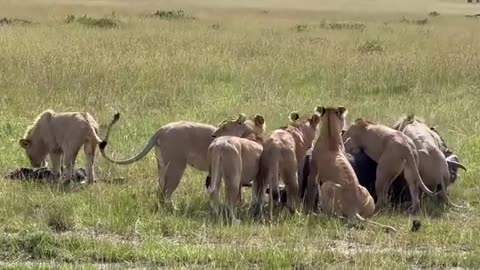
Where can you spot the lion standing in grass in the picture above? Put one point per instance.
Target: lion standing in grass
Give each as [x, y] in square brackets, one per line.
[61, 135]
[433, 166]
[236, 161]
[340, 192]
[283, 157]
[394, 153]
[181, 143]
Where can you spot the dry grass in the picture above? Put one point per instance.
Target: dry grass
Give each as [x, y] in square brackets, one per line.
[156, 71]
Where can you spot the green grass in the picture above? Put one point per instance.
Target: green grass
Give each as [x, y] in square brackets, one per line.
[265, 59]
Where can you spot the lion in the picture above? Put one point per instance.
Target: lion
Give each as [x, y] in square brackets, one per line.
[340, 192]
[61, 134]
[236, 160]
[183, 142]
[393, 151]
[432, 164]
[283, 156]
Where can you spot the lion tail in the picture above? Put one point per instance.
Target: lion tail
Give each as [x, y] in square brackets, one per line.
[272, 180]
[150, 144]
[215, 170]
[412, 166]
[386, 227]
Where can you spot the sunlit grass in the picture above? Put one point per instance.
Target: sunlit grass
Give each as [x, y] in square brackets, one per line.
[156, 71]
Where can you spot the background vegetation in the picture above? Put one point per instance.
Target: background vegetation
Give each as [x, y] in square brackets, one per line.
[381, 59]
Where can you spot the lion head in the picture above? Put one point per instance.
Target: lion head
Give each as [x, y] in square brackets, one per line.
[242, 127]
[36, 150]
[306, 125]
[333, 118]
[33, 143]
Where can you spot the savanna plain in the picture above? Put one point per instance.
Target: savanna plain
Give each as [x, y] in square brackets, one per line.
[380, 59]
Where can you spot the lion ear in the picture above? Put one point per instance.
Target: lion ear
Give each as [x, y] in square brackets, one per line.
[24, 142]
[241, 118]
[342, 111]
[259, 120]
[315, 120]
[321, 110]
[293, 116]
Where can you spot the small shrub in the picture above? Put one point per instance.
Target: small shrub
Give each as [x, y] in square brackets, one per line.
[14, 21]
[215, 26]
[342, 25]
[474, 16]
[433, 14]
[92, 22]
[300, 27]
[59, 216]
[70, 19]
[414, 21]
[371, 46]
[171, 14]
[264, 11]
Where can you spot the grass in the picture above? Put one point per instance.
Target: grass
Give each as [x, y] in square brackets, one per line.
[233, 58]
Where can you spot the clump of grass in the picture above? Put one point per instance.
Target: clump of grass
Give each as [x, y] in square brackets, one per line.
[342, 25]
[300, 28]
[414, 21]
[14, 21]
[474, 16]
[59, 216]
[92, 22]
[433, 14]
[171, 14]
[69, 19]
[215, 26]
[371, 46]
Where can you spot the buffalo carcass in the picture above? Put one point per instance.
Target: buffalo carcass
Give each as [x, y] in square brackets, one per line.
[365, 168]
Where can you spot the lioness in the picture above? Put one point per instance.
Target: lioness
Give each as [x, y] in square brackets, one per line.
[432, 164]
[393, 151]
[236, 160]
[180, 143]
[340, 192]
[62, 134]
[283, 156]
[452, 159]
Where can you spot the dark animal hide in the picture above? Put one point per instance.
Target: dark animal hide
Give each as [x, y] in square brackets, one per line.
[41, 174]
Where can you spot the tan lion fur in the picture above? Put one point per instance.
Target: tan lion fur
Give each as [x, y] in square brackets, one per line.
[283, 156]
[340, 192]
[393, 151]
[432, 164]
[183, 142]
[61, 135]
[236, 160]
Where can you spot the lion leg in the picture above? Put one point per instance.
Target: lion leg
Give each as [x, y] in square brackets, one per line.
[232, 188]
[172, 175]
[70, 156]
[89, 150]
[388, 169]
[367, 205]
[56, 160]
[329, 199]
[300, 176]
[414, 190]
[239, 200]
[291, 185]
[312, 188]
